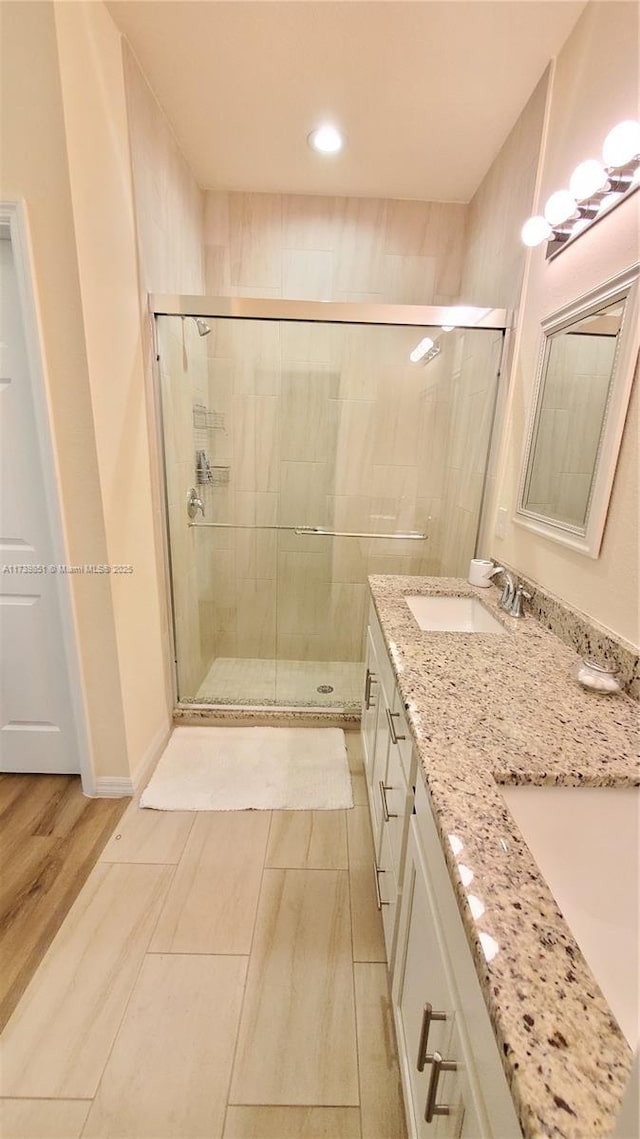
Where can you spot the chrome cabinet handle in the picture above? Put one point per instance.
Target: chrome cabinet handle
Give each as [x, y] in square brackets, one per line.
[427, 1016]
[432, 1108]
[367, 689]
[376, 872]
[386, 814]
[392, 727]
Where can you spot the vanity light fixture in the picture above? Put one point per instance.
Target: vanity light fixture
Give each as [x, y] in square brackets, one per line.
[595, 188]
[326, 139]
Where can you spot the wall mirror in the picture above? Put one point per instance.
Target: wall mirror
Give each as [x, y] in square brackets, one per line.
[588, 357]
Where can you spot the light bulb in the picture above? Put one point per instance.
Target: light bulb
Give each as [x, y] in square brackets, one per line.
[447, 327]
[420, 350]
[326, 139]
[587, 179]
[559, 207]
[622, 144]
[535, 231]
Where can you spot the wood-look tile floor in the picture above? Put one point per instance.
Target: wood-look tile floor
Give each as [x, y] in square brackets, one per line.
[220, 976]
[50, 838]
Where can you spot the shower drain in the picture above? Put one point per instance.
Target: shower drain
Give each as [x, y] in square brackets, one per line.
[324, 688]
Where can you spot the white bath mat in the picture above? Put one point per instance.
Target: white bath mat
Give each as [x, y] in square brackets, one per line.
[238, 769]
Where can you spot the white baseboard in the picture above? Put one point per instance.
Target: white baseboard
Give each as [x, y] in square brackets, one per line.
[117, 786]
[113, 787]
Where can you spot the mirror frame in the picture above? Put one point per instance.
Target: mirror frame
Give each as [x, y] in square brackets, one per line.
[587, 539]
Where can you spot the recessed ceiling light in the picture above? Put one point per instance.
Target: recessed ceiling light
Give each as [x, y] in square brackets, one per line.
[326, 139]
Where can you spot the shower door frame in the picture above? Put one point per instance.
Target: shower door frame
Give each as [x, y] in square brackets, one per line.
[462, 317]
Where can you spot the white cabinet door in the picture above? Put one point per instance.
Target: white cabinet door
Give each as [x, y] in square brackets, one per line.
[419, 982]
[37, 717]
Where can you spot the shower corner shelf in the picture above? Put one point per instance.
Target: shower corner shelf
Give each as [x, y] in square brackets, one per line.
[206, 420]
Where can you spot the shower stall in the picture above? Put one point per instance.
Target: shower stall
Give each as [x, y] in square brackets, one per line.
[304, 450]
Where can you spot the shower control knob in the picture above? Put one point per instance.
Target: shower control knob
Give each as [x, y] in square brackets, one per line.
[194, 504]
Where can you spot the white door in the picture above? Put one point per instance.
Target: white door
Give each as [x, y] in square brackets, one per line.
[37, 721]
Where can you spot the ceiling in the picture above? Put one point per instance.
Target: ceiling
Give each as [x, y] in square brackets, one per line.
[425, 92]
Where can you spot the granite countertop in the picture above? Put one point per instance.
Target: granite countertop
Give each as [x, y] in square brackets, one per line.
[486, 710]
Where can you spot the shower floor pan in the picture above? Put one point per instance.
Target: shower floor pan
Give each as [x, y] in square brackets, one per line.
[291, 683]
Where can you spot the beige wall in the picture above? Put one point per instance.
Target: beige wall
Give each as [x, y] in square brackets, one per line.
[99, 163]
[492, 273]
[169, 214]
[494, 256]
[595, 86]
[35, 168]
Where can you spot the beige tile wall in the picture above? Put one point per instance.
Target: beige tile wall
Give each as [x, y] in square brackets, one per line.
[331, 426]
[327, 425]
[316, 248]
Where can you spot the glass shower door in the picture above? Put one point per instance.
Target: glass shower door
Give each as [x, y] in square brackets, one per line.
[320, 454]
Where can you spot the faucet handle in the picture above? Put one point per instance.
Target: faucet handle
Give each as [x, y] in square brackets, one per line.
[517, 608]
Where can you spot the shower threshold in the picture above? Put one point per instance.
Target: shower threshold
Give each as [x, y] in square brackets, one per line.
[293, 685]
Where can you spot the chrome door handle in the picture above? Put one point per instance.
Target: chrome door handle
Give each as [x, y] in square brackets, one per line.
[367, 689]
[428, 1015]
[432, 1108]
[376, 872]
[385, 810]
[392, 727]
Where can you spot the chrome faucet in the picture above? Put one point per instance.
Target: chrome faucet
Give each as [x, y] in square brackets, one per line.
[512, 593]
[508, 589]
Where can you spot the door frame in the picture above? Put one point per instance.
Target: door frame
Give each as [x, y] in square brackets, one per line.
[14, 222]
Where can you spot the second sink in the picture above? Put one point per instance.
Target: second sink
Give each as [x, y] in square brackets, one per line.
[453, 615]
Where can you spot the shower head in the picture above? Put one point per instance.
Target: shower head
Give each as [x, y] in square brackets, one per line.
[203, 328]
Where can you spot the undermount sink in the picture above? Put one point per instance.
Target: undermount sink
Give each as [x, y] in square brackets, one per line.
[585, 841]
[453, 615]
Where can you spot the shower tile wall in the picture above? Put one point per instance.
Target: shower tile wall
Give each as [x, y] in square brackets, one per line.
[325, 422]
[316, 248]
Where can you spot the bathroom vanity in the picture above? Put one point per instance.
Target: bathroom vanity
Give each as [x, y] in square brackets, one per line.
[501, 1026]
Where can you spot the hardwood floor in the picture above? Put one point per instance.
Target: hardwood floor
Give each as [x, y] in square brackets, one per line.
[50, 838]
[220, 974]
